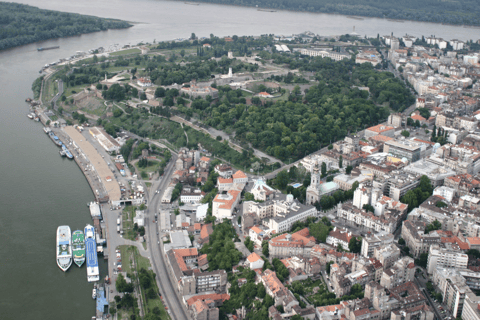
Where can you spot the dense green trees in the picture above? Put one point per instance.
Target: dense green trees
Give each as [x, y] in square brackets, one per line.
[329, 110]
[457, 12]
[220, 250]
[415, 197]
[355, 245]
[22, 24]
[422, 260]
[435, 225]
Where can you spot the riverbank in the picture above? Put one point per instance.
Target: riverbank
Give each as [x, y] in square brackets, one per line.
[358, 16]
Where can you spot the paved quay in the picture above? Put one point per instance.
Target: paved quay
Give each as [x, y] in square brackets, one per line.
[99, 164]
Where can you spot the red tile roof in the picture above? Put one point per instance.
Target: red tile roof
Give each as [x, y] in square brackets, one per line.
[253, 257]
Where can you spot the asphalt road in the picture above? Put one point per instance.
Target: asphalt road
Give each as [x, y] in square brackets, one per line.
[166, 286]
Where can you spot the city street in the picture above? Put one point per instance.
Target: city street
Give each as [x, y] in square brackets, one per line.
[158, 256]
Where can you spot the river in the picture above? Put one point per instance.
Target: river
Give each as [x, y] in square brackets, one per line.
[41, 190]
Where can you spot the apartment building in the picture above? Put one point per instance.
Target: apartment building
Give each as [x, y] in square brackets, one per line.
[373, 241]
[445, 258]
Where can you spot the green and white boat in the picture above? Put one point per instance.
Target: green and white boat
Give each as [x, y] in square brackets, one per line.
[78, 244]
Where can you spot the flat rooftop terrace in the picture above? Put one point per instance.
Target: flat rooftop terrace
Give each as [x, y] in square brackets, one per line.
[112, 187]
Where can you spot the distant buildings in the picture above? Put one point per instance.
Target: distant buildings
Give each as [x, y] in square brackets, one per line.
[280, 213]
[336, 56]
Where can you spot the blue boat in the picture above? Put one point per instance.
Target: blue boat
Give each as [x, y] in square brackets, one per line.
[93, 274]
[67, 152]
[57, 141]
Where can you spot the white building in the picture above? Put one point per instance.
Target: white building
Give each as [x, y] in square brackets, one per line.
[280, 213]
[254, 261]
[191, 195]
[338, 237]
[445, 192]
[325, 54]
[261, 191]
[224, 204]
[445, 258]
[144, 82]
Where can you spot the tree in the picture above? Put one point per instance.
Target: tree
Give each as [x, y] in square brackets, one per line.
[405, 133]
[324, 169]
[248, 243]
[349, 169]
[340, 162]
[193, 37]
[239, 220]
[249, 196]
[160, 92]
[401, 242]
[422, 260]
[355, 244]
[435, 225]
[265, 251]
[327, 266]
[282, 179]
[368, 207]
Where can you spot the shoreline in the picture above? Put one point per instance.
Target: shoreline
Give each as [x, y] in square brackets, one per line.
[272, 10]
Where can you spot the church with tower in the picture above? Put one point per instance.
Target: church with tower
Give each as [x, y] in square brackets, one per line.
[317, 188]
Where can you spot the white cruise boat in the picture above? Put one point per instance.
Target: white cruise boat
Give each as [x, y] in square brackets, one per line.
[64, 247]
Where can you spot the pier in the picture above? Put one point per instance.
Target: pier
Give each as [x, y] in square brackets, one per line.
[104, 187]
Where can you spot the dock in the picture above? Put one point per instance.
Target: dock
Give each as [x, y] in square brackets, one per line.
[98, 173]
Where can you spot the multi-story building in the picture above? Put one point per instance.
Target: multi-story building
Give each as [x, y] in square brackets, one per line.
[339, 237]
[408, 149]
[211, 281]
[413, 232]
[336, 56]
[373, 241]
[280, 213]
[224, 204]
[224, 170]
[437, 174]
[453, 288]
[471, 307]
[445, 258]
[401, 272]
[380, 129]
[191, 195]
[277, 290]
[399, 183]
[285, 245]
[261, 191]
[388, 221]
[387, 255]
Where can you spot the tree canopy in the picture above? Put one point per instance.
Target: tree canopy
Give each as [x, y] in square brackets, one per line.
[451, 12]
[22, 24]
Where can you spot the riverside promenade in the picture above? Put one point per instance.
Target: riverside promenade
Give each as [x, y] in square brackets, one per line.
[105, 175]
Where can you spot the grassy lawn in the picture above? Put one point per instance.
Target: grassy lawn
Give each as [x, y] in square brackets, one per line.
[126, 52]
[126, 261]
[129, 252]
[69, 91]
[153, 166]
[115, 69]
[322, 295]
[127, 222]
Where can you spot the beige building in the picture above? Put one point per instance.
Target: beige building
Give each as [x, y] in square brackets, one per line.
[413, 232]
[286, 245]
[224, 204]
[387, 255]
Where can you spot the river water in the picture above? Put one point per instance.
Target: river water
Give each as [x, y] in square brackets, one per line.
[41, 190]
